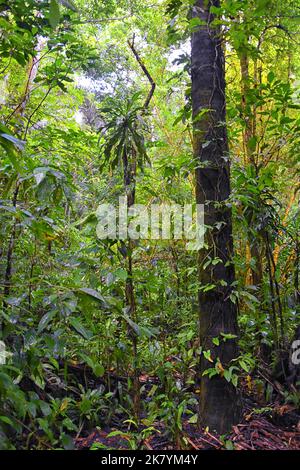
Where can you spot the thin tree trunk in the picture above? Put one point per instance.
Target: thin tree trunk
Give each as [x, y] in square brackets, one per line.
[10, 249]
[245, 87]
[219, 401]
[130, 172]
[129, 168]
[20, 110]
[248, 135]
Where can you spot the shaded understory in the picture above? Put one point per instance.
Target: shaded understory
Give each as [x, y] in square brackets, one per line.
[273, 425]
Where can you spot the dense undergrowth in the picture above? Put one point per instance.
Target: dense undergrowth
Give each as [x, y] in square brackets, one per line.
[77, 361]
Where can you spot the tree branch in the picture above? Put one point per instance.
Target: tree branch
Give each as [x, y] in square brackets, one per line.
[146, 72]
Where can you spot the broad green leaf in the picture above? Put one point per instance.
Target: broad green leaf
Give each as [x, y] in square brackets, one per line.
[6, 420]
[227, 375]
[227, 336]
[244, 365]
[17, 142]
[234, 380]
[98, 370]
[207, 355]
[54, 13]
[271, 77]
[92, 293]
[121, 274]
[78, 326]
[193, 419]
[133, 325]
[45, 320]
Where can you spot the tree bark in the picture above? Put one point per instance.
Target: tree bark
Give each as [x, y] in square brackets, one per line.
[219, 401]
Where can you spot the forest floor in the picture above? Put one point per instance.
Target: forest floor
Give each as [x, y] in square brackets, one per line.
[258, 433]
[273, 426]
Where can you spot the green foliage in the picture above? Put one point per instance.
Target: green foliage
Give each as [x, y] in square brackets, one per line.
[69, 115]
[123, 131]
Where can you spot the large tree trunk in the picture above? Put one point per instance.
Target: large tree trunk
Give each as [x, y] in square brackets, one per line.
[219, 401]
